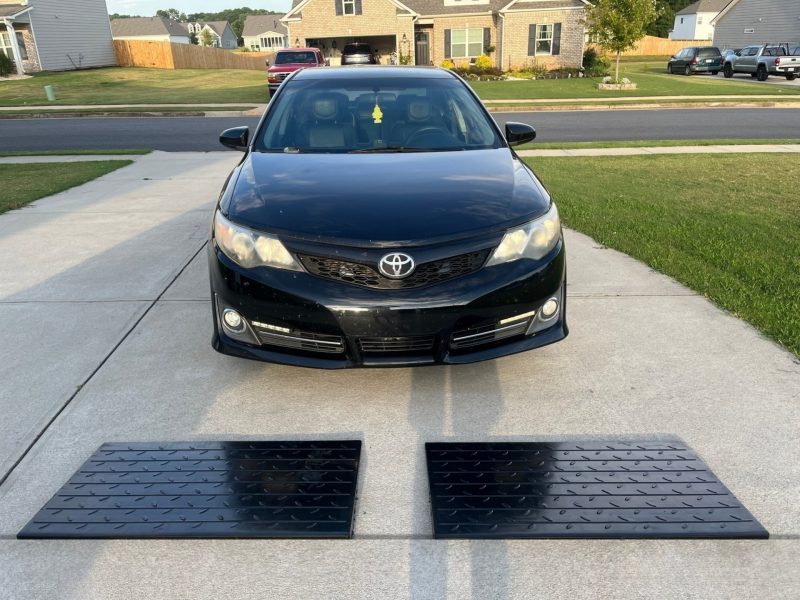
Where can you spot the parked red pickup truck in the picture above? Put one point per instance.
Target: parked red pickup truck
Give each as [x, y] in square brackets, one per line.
[290, 60]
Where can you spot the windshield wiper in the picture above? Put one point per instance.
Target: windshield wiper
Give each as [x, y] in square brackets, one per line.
[401, 149]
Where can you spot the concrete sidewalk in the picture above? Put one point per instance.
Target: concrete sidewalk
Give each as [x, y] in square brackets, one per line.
[106, 325]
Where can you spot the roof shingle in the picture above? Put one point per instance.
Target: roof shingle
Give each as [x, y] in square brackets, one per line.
[135, 26]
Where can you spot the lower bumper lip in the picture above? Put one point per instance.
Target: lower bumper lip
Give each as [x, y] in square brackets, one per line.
[451, 323]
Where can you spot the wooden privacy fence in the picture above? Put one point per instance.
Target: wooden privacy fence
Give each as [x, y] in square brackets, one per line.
[167, 55]
[656, 46]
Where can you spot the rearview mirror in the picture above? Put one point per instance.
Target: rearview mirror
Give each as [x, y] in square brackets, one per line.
[519, 133]
[235, 138]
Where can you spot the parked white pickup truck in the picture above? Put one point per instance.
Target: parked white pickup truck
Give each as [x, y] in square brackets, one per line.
[763, 61]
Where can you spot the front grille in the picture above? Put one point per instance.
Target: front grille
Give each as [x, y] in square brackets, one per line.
[478, 336]
[301, 340]
[396, 344]
[367, 276]
[281, 76]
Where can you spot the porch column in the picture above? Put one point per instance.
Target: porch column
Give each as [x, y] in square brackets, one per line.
[14, 47]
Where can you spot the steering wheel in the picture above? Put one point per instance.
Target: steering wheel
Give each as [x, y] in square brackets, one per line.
[435, 133]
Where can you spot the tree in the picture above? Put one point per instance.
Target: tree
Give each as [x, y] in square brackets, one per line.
[193, 38]
[206, 38]
[172, 13]
[618, 24]
[663, 23]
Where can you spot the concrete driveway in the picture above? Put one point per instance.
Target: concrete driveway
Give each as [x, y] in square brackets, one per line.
[106, 323]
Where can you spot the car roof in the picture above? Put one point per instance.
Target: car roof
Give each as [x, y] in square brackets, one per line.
[298, 50]
[374, 72]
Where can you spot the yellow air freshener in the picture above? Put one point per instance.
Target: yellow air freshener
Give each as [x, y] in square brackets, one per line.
[377, 114]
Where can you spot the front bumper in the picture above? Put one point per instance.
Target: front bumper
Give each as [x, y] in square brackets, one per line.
[316, 322]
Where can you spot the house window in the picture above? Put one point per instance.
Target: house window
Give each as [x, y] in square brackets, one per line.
[349, 7]
[466, 43]
[681, 20]
[23, 51]
[699, 20]
[544, 39]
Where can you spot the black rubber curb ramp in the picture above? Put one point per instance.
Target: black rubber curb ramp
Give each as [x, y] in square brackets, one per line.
[580, 490]
[296, 489]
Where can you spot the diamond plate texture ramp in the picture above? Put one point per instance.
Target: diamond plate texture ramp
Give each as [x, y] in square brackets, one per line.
[580, 490]
[207, 490]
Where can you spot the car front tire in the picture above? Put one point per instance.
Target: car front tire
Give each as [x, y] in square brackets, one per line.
[669, 69]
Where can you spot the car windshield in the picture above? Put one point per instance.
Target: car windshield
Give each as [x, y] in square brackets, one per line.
[372, 115]
[355, 49]
[303, 58]
[708, 52]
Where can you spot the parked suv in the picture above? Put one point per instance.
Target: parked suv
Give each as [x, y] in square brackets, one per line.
[707, 59]
[762, 61]
[358, 53]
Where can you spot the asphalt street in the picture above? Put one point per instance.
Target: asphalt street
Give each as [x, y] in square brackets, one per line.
[106, 323]
[200, 133]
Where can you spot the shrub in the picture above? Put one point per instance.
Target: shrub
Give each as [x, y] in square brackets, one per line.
[483, 62]
[448, 64]
[594, 64]
[6, 66]
[473, 73]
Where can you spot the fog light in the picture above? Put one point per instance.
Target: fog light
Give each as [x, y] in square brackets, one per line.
[549, 309]
[233, 320]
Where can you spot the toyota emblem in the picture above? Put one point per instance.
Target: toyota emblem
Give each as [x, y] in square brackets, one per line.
[396, 265]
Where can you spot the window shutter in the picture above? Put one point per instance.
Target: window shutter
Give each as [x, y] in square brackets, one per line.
[447, 43]
[556, 48]
[487, 38]
[358, 7]
[338, 5]
[531, 40]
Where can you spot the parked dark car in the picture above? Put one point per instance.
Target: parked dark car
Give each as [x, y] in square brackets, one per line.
[358, 53]
[706, 59]
[379, 217]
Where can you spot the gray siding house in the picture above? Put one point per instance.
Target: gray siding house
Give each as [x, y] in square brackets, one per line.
[56, 35]
[749, 22]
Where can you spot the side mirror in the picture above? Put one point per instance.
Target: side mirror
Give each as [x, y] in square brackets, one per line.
[268, 63]
[235, 138]
[519, 133]
[327, 62]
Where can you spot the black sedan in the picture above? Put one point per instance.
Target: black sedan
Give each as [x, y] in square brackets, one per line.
[379, 217]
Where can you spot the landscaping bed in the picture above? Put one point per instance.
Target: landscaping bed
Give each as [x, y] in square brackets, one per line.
[720, 230]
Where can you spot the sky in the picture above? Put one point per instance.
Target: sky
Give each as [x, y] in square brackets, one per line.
[148, 8]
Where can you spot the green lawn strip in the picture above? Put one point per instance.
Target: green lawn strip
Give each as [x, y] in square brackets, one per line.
[655, 143]
[139, 86]
[24, 183]
[188, 108]
[650, 76]
[75, 152]
[709, 221]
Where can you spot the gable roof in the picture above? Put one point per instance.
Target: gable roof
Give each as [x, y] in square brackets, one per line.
[255, 25]
[297, 6]
[218, 27]
[517, 5]
[704, 6]
[135, 26]
[12, 10]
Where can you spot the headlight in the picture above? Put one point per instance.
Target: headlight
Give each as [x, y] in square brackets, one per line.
[533, 240]
[251, 249]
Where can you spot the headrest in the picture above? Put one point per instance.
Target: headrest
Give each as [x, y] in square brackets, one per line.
[324, 108]
[419, 110]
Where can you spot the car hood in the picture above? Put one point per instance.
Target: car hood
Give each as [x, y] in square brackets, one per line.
[385, 198]
[288, 67]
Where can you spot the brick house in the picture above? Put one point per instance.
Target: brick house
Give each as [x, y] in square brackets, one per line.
[515, 32]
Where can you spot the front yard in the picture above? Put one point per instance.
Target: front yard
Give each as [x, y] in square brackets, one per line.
[209, 86]
[21, 184]
[710, 221]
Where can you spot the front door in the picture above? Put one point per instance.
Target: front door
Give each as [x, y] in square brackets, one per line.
[422, 50]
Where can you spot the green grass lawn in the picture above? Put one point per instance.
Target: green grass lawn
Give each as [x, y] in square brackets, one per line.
[139, 86]
[209, 86]
[24, 183]
[650, 76]
[721, 229]
[656, 143]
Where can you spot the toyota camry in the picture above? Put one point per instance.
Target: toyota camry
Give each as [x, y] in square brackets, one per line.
[379, 217]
